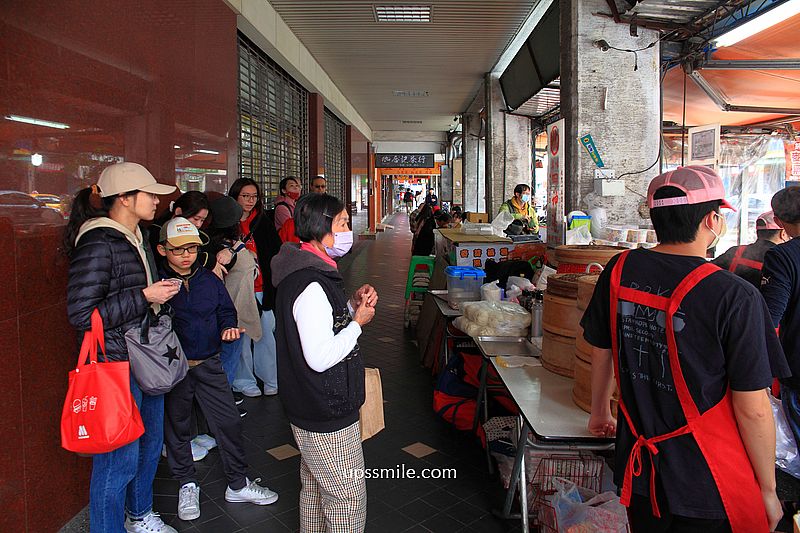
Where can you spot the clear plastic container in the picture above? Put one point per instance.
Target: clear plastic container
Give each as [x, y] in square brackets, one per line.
[463, 284]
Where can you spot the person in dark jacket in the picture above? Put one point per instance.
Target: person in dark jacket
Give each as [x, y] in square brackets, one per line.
[204, 317]
[112, 270]
[321, 372]
[258, 358]
[747, 260]
[781, 290]
[424, 243]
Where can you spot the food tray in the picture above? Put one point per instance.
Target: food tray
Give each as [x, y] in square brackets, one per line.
[494, 346]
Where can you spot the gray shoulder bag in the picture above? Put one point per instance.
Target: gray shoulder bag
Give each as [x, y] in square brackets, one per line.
[155, 353]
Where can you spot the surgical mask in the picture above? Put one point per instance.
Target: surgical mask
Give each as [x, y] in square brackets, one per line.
[342, 242]
[721, 234]
[293, 195]
[526, 198]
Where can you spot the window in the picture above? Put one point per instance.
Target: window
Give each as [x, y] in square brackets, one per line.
[273, 123]
[335, 168]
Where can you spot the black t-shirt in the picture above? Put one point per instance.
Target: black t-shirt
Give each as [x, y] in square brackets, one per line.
[754, 252]
[781, 290]
[724, 336]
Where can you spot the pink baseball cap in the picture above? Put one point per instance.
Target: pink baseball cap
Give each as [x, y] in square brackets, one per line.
[699, 183]
[767, 221]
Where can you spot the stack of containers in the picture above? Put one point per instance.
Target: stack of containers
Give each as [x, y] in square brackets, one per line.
[560, 322]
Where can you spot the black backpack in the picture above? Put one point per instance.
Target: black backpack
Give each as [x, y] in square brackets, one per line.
[268, 243]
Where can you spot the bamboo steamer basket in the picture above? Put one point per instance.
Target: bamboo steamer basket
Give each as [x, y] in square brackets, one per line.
[582, 389]
[558, 353]
[583, 350]
[560, 315]
[575, 258]
[586, 285]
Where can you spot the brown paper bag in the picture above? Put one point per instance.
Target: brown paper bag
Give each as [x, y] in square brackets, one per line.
[371, 413]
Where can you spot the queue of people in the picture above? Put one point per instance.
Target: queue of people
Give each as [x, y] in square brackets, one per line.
[218, 284]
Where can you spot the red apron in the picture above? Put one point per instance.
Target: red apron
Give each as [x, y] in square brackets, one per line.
[715, 431]
[739, 259]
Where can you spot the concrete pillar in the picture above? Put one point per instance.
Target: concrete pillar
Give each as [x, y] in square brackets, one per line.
[474, 149]
[602, 95]
[316, 137]
[508, 148]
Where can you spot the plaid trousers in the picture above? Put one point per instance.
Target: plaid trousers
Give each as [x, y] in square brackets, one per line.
[332, 499]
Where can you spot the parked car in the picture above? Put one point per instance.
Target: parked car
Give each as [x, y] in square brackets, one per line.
[21, 208]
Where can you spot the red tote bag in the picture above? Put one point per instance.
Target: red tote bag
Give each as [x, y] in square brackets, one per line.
[100, 414]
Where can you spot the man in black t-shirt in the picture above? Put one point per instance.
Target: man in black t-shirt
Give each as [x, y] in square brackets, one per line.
[688, 341]
[747, 260]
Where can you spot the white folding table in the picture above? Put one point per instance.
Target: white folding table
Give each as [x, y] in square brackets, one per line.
[546, 409]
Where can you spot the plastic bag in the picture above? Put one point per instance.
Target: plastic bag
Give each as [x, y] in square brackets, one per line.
[580, 510]
[579, 235]
[493, 319]
[786, 456]
[491, 292]
[501, 222]
[541, 280]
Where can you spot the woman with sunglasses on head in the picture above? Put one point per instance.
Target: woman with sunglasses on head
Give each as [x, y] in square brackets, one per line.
[112, 270]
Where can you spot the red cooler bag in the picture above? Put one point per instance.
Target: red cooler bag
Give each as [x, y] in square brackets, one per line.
[100, 413]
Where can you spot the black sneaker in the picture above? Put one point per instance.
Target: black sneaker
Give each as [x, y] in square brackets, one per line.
[238, 398]
[242, 412]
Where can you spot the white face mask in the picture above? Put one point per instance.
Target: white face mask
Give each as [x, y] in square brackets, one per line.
[721, 234]
[342, 242]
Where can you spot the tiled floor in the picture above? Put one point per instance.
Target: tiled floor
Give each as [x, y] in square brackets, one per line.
[414, 437]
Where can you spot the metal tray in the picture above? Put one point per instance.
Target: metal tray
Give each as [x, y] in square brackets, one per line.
[494, 346]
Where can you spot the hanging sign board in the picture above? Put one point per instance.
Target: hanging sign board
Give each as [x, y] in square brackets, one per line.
[404, 161]
[555, 183]
[704, 145]
[588, 143]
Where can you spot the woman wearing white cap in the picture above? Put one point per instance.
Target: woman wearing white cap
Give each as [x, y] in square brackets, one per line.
[112, 270]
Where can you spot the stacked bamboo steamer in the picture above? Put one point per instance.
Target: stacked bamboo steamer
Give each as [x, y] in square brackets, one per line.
[582, 389]
[560, 322]
[576, 257]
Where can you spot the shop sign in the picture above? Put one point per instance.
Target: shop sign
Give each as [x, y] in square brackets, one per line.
[588, 143]
[404, 161]
[555, 183]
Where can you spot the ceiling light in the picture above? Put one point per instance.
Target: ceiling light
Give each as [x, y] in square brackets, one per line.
[394, 13]
[759, 23]
[37, 122]
[411, 122]
[176, 146]
[36, 159]
[204, 151]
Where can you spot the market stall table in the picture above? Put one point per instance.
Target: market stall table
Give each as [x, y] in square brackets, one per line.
[546, 409]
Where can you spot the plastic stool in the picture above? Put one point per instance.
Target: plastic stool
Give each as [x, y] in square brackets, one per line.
[425, 261]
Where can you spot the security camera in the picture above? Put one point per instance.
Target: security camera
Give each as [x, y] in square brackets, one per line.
[602, 44]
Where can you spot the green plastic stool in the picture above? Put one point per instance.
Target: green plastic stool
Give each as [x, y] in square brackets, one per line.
[418, 260]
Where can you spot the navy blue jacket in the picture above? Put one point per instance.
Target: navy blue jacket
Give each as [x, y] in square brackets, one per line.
[781, 289]
[203, 310]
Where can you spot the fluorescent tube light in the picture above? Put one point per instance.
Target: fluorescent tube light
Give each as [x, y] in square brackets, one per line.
[395, 13]
[37, 122]
[204, 151]
[759, 23]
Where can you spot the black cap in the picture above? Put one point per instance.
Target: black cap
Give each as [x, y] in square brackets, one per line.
[225, 212]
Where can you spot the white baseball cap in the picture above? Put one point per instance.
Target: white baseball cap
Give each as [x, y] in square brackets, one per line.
[179, 232]
[124, 177]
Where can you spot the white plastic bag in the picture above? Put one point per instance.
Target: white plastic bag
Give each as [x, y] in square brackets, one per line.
[579, 235]
[786, 456]
[491, 292]
[543, 274]
[501, 222]
[581, 510]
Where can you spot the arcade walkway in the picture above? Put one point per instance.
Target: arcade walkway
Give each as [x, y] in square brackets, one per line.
[413, 437]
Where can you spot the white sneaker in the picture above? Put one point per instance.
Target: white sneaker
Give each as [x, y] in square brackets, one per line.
[189, 502]
[251, 493]
[206, 441]
[198, 452]
[252, 392]
[151, 523]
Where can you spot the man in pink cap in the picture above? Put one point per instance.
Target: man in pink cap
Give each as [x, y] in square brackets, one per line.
[748, 259]
[693, 351]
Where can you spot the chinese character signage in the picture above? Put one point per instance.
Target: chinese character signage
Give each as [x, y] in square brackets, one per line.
[404, 161]
[555, 184]
[588, 143]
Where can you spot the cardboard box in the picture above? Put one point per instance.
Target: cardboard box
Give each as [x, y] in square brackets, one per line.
[477, 217]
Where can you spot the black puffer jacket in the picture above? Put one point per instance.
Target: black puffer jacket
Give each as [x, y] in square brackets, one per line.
[106, 272]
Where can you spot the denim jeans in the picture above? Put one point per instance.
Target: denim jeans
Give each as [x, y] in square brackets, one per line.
[259, 358]
[122, 480]
[230, 355]
[790, 398]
